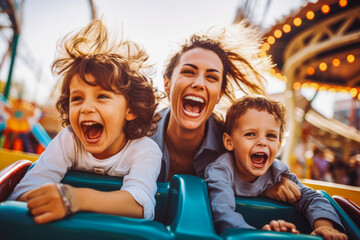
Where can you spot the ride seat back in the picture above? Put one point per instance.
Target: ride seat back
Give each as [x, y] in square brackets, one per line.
[11, 176]
[260, 211]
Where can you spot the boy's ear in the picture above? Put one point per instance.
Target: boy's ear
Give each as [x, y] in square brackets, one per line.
[228, 143]
[167, 85]
[129, 115]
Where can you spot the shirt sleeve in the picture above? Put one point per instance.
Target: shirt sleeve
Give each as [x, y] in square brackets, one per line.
[222, 198]
[51, 166]
[313, 204]
[140, 182]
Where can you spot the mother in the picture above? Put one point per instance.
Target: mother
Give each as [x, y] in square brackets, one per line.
[207, 68]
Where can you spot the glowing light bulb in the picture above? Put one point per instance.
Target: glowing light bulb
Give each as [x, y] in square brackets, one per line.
[286, 28]
[265, 46]
[310, 71]
[310, 15]
[336, 62]
[350, 58]
[314, 85]
[325, 9]
[297, 22]
[271, 40]
[322, 66]
[278, 33]
[353, 92]
[296, 85]
[343, 3]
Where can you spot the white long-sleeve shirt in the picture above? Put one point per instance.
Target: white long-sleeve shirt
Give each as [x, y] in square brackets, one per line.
[139, 162]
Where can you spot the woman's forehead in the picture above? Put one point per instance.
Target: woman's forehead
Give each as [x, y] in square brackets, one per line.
[203, 58]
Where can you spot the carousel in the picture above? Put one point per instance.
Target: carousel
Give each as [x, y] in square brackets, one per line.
[318, 47]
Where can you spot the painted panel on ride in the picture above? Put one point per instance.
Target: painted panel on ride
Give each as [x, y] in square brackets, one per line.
[20, 128]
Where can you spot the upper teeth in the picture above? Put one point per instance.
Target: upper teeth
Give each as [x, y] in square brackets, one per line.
[89, 123]
[260, 154]
[193, 98]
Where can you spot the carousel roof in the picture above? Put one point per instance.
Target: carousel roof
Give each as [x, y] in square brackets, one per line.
[319, 45]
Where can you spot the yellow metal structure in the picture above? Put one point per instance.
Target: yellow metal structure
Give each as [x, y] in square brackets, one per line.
[349, 192]
[8, 156]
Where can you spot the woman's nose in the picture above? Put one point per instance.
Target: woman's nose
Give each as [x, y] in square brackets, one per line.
[199, 82]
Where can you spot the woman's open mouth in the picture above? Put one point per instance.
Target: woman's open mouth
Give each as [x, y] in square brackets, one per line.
[258, 160]
[193, 105]
[92, 131]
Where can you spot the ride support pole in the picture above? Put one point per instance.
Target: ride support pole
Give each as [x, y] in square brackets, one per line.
[12, 61]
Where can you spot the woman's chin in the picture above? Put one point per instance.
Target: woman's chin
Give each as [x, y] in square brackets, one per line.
[192, 123]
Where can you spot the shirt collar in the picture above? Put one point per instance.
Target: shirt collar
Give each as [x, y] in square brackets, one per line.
[213, 136]
[212, 140]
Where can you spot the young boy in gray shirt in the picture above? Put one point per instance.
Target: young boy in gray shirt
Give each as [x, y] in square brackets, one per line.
[254, 130]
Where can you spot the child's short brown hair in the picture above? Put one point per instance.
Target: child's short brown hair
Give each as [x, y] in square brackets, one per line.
[116, 67]
[260, 103]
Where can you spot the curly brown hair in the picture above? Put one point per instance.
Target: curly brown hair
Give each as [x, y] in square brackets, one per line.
[115, 67]
[260, 103]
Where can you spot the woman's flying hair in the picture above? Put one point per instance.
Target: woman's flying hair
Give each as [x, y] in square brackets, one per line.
[239, 49]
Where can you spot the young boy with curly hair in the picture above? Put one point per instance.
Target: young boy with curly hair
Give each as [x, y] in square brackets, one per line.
[108, 105]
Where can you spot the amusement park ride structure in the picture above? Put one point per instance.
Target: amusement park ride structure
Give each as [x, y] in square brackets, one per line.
[301, 49]
[317, 47]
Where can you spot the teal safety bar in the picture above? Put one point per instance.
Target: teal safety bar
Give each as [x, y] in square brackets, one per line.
[182, 212]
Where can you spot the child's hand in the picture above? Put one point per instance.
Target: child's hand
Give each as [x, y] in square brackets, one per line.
[286, 191]
[46, 204]
[280, 226]
[324, 228]
[329, 233]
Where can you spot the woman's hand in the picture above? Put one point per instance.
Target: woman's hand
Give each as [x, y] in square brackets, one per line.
[45, 203]
[324, 228]
[286, 191]
[280, 226]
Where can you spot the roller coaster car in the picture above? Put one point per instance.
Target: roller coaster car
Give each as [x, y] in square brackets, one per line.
[10, 176]
[182, 212]
[349, 207]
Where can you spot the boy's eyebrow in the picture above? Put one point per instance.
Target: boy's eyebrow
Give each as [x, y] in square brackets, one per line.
[277, 130]
[194, 66]
[75, 91]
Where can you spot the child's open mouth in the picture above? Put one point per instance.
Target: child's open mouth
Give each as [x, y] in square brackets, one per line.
[193, 105]
[259, 159]
[92, 131]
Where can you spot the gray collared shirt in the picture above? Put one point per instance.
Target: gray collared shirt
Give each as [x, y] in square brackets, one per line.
[224, 184]
[211, 146]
